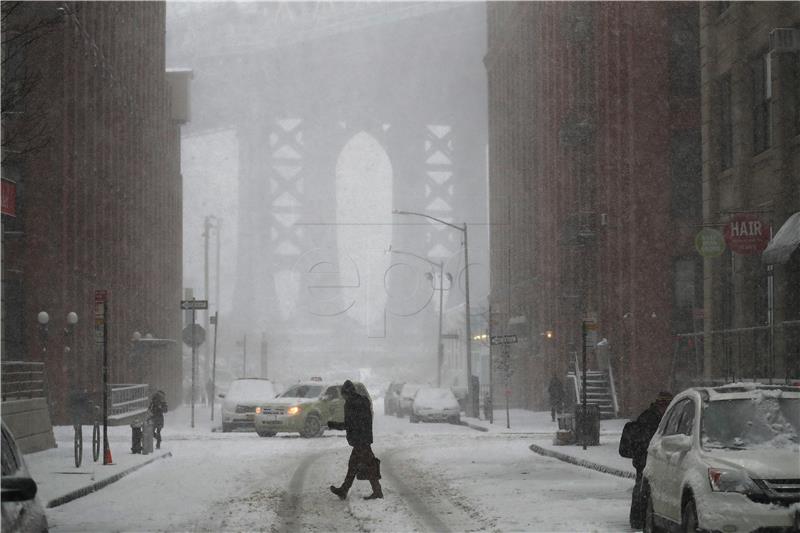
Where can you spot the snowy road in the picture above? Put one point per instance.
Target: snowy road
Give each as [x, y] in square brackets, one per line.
[436, 477]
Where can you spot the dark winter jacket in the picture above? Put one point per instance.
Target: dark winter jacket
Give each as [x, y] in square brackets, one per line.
[646, 426]
[158, 406]
[357, 420]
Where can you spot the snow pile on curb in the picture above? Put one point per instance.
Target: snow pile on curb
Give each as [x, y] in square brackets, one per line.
[582, 462]
[83, 491]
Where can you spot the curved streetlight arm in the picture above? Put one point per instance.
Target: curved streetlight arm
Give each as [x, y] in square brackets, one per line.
[439, 220]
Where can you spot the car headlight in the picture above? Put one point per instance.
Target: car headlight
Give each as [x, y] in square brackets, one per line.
[731, 481]
[293, 410]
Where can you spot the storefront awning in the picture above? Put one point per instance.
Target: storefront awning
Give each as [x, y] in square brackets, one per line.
[784, 243]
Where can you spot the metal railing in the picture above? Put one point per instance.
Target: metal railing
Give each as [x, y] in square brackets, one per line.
[128, 399]
[749, 353]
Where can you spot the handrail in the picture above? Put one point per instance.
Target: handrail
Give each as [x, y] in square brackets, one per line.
[613, 389]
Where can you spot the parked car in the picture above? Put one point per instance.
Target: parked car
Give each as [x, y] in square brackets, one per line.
[21, 509]
[391, 400]
[435, 405]
[304, 408]
[407, 398]
[726, 459]
[240, 402]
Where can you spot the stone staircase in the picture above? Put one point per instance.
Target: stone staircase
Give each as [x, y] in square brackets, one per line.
[598, 392]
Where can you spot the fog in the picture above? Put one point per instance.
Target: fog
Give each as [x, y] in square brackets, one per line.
[310, 123]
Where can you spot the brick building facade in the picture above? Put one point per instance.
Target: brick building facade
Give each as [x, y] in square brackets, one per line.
[751, 166]
[594, 165]
[99, 203]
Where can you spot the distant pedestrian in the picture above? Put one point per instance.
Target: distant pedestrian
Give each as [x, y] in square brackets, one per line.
[556, 392]
[158, 406]
[637, 435]
[210, 391]
[358, 424]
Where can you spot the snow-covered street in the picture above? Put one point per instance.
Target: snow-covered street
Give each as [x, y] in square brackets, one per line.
[436, 477]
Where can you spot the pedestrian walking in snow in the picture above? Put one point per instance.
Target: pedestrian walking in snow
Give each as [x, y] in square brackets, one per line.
[158, 406]
[556, 391]
[210, 391]
[636, 437]
[358, 424]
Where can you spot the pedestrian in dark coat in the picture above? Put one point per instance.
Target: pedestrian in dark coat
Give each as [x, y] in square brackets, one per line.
[645, 427]
[157, 408]
[556, 391]
[358, 424]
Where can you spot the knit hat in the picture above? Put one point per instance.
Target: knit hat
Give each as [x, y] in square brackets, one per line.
[664, 397]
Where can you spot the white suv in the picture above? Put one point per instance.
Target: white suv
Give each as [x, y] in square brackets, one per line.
[726, 459]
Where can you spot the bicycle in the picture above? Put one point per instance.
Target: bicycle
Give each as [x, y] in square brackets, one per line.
[82, 407]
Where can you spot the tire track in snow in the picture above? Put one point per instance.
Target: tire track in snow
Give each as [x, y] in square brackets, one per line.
[431, 499]
[290, 509]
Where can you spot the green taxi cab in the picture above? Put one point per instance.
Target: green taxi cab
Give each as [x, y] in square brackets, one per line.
[304, 408]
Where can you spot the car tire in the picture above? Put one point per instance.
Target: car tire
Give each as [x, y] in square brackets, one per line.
[266, 433]
[312, 427]
[689, 517]
[413, 419]
[226, 428]
[455, 420]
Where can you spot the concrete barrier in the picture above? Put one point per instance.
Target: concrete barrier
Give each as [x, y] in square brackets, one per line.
[29, 421]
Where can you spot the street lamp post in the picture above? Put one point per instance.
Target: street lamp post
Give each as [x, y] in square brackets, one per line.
[439, 345]
[467, 326]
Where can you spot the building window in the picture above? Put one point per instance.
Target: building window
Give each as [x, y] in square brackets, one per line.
[725, 122]
[762, 100]
[685, 168]
[791, 89]
[684, 53]
[688, 283]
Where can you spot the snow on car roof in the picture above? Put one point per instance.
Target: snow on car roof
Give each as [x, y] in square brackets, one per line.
[748, 390]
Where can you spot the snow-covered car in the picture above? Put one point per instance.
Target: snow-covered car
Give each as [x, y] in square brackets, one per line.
[435, 405]
[407, 398]
[240, 402]
[391, 400]
[21, 509]
[726, 459]
[304, 408]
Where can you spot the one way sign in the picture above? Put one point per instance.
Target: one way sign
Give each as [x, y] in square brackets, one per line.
[194, 304]
[503, 339]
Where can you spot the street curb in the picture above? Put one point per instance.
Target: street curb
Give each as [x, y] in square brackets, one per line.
[582, 462]
[475, 427]
[78, 493]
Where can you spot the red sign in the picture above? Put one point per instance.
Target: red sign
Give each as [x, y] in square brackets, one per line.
[9, 198]
[746, 234]
[100, 296]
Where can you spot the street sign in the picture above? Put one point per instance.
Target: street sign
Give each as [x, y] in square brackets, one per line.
[100, 301]
[194, 304]
[746, 234]
[503, 339]
[709, 242]
[199, 336]
[590, 332]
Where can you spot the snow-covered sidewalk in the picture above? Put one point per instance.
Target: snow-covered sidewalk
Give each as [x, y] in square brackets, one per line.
[59, 481]
[603, 458]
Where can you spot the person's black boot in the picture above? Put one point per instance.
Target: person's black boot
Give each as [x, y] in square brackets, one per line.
[374, 496]
[339, 491]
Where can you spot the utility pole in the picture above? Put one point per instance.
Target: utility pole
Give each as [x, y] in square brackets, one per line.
[440, 351]
[215, 321]
[244, 356]
[207, 225]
